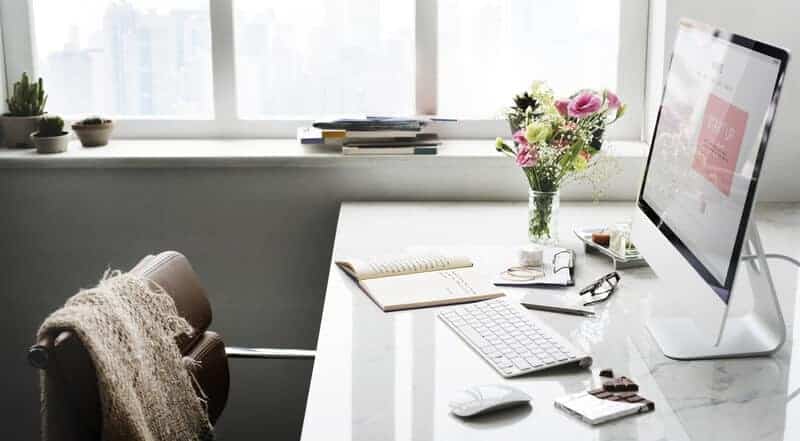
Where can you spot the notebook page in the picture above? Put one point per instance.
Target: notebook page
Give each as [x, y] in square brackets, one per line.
[372, 268]
[429, 289]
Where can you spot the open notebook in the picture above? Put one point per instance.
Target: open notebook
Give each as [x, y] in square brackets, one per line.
[419, 280]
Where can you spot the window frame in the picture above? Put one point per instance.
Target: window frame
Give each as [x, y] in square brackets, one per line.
[16, 19]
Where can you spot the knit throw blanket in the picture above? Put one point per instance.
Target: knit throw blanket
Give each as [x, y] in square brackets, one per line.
[128, 326]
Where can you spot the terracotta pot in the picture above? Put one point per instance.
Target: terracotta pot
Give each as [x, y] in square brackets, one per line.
[17, 130]
[50, 144]
[93, 135]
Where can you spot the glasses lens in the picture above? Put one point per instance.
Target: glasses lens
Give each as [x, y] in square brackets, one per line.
[603, 289]
[597, 298]
[591, 288]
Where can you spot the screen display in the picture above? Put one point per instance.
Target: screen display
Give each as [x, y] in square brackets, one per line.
[708, 146]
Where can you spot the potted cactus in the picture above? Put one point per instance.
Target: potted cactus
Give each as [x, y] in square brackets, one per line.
[93, 131]
[51, 137]
[25, 109]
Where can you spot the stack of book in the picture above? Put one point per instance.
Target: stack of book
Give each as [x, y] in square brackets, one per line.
[372, 136]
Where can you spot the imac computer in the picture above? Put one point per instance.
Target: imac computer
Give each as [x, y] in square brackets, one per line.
[693, 221]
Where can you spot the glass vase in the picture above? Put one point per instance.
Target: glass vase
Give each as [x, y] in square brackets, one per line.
[543, 209]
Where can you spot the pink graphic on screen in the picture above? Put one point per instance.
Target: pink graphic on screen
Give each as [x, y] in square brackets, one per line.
[720, 142]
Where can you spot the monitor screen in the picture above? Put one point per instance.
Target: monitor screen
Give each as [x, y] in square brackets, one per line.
[708, 145]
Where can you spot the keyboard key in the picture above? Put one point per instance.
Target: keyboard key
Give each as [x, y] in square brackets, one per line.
[535, 362]
[474, 337]
[508, 338]
[521, 363]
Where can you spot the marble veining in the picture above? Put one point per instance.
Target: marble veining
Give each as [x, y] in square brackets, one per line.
[389, 376]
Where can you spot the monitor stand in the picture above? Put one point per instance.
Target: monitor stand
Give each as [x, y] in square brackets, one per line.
[759, 332]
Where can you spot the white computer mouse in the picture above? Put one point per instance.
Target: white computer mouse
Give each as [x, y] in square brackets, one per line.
[478, 400]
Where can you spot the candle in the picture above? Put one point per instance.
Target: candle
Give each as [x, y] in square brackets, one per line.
[531, 255]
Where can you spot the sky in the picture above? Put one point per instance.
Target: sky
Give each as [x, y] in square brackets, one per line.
[54, 19]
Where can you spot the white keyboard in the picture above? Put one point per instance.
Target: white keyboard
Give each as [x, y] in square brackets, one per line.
[510, 339]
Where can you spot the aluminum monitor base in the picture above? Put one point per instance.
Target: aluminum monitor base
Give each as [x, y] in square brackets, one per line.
[761, 331]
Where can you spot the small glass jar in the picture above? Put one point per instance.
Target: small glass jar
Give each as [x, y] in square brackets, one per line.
[619, 237]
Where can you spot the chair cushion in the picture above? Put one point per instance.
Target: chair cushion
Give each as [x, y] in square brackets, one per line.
[172, 271]
[208, 364]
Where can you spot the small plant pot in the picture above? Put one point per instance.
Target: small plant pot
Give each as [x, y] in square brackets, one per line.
[50, 144]
[93, 135]
[17, 130]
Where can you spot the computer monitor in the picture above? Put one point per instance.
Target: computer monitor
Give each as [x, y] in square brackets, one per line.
[693, 213]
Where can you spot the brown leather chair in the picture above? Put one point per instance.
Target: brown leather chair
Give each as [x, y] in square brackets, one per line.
[63, 357]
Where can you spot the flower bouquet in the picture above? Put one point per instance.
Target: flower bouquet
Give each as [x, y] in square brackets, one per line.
[556, 140]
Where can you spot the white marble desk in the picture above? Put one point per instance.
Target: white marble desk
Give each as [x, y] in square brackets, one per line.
[389, 376]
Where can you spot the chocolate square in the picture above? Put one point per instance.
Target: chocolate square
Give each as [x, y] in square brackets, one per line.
[608, 373]
[628, 385]
[611, 385]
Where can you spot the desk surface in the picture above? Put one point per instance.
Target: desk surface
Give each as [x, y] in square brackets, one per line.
[389, 376]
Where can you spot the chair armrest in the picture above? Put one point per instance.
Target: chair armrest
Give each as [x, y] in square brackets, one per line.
[296, 354]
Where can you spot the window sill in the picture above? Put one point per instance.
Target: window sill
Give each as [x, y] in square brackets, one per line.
[124, 153]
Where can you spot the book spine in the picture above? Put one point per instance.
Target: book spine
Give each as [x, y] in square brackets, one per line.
[377, 151]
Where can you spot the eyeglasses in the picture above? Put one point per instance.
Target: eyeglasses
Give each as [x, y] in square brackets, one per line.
[601, 289]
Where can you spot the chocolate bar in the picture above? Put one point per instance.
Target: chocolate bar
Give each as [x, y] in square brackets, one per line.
[616, 399]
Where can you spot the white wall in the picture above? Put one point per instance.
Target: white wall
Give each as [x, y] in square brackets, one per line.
[772, 21]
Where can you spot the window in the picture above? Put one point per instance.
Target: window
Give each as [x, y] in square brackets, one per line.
[324, 57]
[131, 58]
[252, 68]
[490, 50]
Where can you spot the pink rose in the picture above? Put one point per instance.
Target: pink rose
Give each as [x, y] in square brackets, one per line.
[561, 106]
[526, 156]
[519, 137]
[584, 104]
[612, 100]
